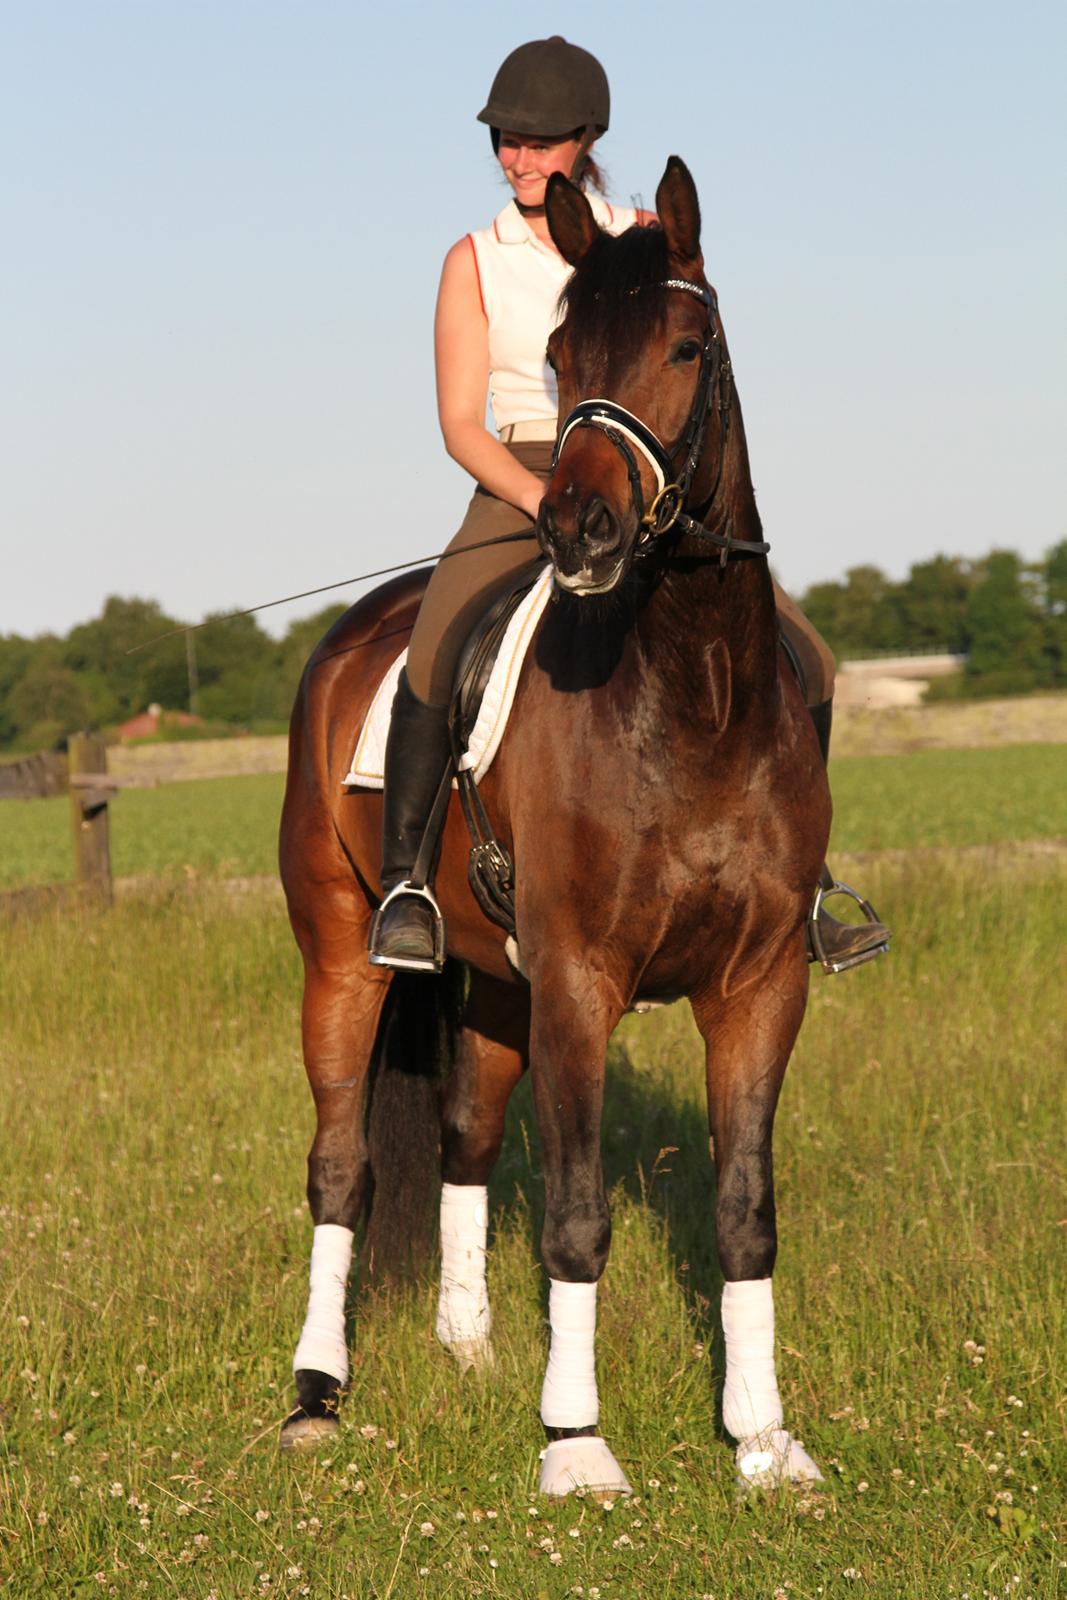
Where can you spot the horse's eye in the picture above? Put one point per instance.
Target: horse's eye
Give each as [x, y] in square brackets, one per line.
[688, 351]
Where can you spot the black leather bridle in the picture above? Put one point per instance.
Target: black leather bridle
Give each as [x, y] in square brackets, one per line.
[627, 432]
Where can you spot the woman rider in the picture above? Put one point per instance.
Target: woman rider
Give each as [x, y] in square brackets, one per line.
[496, 307]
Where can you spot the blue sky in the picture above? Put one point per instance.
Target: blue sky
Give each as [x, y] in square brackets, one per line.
[223, 223]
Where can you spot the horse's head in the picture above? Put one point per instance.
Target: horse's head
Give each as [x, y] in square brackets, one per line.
[637, 355]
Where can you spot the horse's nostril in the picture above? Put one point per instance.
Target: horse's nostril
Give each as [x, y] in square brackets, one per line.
[596, 524]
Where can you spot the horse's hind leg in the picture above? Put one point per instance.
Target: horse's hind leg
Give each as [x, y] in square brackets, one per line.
[490, 1060]
[343, 998]
[748, 1041]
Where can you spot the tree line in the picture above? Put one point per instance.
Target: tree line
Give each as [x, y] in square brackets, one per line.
[1008, 618]
[231, 673]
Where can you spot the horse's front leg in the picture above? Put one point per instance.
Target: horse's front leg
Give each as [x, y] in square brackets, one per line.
[571, 1024]
[748, 1042]
[489, 1062]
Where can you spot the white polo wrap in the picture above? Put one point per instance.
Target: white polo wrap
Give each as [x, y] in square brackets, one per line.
[463, 1306]
[569, 1396]
[323, 1347]
[751, 1406]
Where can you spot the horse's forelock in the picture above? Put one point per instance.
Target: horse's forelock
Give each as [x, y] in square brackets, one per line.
[618, 285]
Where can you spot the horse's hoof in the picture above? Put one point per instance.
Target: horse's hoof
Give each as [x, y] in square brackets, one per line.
[582, 1463]
[472, 1355]
[769, 1462]
[301, 1432]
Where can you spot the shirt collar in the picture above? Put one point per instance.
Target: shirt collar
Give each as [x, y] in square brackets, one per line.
[511, 227]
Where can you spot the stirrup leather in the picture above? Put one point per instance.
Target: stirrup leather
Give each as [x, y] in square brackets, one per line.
[434, 964]
[828, 962]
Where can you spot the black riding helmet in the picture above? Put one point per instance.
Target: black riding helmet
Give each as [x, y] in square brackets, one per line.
[548, 86]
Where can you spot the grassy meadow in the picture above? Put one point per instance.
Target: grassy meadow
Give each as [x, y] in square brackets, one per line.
[154, 1236]
[228, 827]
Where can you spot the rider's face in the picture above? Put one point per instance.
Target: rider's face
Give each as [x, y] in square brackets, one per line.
[530, 160]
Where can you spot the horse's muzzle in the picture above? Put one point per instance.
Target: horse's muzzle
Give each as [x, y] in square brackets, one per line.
[585, 543]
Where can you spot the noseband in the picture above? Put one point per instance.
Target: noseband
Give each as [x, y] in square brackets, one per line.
[627, 433]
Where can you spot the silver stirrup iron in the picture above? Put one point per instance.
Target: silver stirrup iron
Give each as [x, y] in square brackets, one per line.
[845, 963]
[407, 963]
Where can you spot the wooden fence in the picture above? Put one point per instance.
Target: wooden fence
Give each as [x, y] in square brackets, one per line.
[34, 776]
[81, 772]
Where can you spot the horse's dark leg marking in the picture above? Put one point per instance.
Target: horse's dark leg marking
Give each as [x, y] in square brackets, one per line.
[748, 1039]
[568, 1045]
[491, 1059]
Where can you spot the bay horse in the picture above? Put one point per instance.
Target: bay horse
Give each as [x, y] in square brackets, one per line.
[662, 796]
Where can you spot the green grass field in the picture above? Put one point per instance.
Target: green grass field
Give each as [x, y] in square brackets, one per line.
[153, 1127]
[227, 827]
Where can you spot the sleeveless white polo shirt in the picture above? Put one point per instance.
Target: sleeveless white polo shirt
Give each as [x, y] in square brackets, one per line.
[520, 280]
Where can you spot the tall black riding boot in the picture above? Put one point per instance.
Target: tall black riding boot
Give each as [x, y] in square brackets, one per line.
[408, 930]
[840, 945]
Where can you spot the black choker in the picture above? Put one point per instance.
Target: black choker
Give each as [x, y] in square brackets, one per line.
[529, 211]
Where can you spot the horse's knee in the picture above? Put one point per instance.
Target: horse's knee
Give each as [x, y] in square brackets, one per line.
[575, 1241]
[745, 1223]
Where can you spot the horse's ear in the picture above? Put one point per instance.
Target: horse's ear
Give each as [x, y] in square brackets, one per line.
[570, 218]
[678, 210]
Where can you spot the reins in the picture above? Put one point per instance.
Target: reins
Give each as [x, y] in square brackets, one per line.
[342, 583]
[625, 432]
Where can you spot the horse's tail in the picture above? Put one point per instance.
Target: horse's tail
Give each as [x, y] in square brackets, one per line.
[414, 1048]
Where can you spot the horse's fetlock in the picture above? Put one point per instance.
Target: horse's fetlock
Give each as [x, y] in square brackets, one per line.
[575, 1243]
[336, 1191]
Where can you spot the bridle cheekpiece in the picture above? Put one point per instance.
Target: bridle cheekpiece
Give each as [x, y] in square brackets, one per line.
[629, 434]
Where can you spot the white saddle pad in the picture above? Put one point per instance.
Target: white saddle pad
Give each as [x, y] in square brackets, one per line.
[368, 763]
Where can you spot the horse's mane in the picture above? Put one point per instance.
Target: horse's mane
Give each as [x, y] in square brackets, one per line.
[599, 298]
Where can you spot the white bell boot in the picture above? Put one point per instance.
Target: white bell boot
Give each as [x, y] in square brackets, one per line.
[582, 1463]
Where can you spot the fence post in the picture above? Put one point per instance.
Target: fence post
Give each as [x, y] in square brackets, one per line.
[87, 757]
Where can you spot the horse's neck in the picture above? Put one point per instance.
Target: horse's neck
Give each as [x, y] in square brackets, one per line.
[717, 620]
[709, 635]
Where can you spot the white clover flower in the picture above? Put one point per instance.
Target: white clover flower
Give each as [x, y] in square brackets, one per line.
[427, 1529]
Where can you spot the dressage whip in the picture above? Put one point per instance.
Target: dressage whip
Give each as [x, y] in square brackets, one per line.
[342, 583]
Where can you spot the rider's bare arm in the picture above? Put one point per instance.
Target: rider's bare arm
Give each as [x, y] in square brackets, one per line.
[461, 352]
